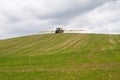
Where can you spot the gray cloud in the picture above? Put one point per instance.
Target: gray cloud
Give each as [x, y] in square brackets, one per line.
[23, 17]
[102, 19]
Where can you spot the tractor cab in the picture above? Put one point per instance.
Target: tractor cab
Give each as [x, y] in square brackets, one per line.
[59, 30]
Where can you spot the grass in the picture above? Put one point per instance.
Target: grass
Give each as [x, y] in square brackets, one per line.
[61, 57]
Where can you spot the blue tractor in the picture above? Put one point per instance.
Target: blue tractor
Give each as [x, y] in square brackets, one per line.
[59, 31]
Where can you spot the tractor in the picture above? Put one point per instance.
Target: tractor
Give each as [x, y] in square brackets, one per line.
[59, 31]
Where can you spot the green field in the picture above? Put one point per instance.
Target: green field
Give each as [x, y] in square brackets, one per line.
[61, 57]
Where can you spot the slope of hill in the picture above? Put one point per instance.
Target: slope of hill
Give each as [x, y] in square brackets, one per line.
[61, 57]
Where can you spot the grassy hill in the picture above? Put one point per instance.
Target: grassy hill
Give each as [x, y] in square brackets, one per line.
[61, 57]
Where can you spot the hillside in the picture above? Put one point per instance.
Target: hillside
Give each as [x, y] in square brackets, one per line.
[61, 57]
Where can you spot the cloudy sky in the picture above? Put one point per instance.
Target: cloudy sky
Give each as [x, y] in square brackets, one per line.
[25, 17]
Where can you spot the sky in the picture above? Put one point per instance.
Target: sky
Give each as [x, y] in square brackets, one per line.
[26, 17]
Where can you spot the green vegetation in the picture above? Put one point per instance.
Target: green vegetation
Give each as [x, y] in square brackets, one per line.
[61, 57]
